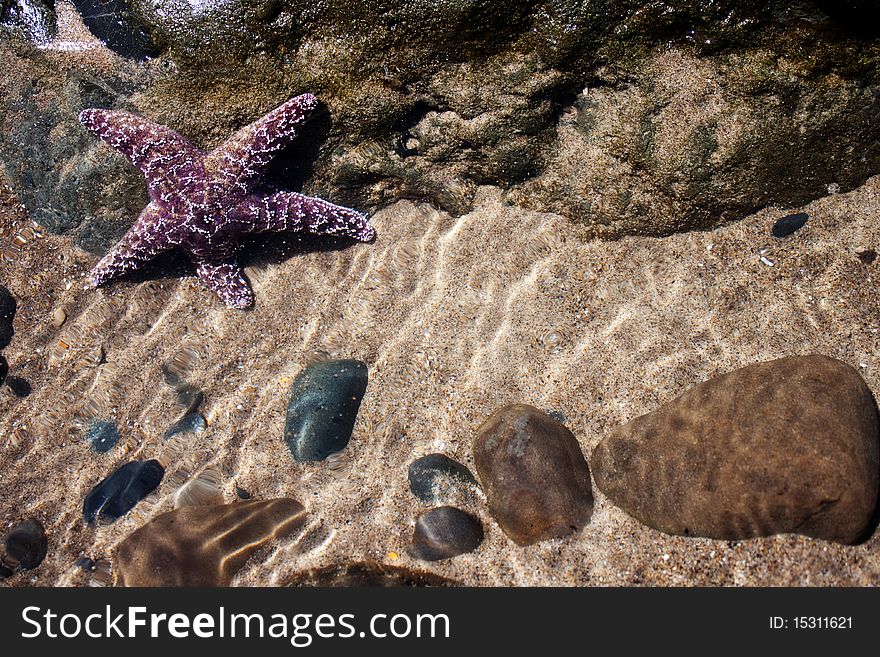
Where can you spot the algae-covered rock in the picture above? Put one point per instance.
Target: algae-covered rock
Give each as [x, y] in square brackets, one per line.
[627, 117]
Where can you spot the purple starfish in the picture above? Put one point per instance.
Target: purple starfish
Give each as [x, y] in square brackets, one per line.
[203, 203]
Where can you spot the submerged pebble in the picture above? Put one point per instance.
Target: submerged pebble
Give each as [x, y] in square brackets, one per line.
[445, 532]
[789, 224]
[203, 545]
[427, 472]
[7, 314]
[324, 402]
[102, 435]
[19, 387]
[867, 256]
[25, 545]
[118, 494]
[85, 563]
[785, 446]
[190, 423]
[535, 477]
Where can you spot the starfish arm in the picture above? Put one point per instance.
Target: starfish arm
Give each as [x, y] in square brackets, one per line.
[227, 280]
[143, 242]
[165, 157]
[241, 159]
[289, 211]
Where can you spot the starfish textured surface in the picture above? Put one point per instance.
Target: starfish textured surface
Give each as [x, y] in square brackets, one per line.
[203, 203]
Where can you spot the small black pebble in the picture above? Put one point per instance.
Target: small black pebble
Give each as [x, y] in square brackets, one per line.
[7, 314]
[26, 543]
[4, 369]
[425, 473]
[19, 387]
[868, 256]
[445, 532]
[789, 224]
[242, 493]
[85, 563]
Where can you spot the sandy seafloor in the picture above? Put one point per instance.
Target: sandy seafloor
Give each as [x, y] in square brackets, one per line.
[456, 316]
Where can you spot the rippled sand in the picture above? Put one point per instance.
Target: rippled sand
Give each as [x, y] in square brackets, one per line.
[455, 316]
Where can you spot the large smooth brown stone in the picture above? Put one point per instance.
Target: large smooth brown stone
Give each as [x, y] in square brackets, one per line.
[203, 545]
[786, 446]
[534, 474]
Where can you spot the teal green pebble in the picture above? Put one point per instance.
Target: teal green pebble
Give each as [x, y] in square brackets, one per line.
[102, 435]
[324, 402]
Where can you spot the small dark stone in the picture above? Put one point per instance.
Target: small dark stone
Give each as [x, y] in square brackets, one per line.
[102, 435]
[867, 256]
[20, 387]
[190, 423]
[4, 571]
[789, 224]
[122, 490]
[445, 532]
[242, 493]
[324, 401]
[535, 476]
[4, 369]
[426, 473]
[7, 314]
[559, 416]
[85, 563]
[26, 544]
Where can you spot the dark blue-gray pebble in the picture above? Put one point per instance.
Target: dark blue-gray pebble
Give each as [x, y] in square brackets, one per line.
[27, 544]
[445, 532]
[789, 223]
[189, 423]
[19, 387]
[85, 563]
[122, 490]
[324, 402]
[7, 314]
[427, 471]
[102, 435]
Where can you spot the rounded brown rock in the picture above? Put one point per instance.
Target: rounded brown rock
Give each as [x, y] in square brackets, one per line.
[535, 476]
[785, 446]
[203, 545]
